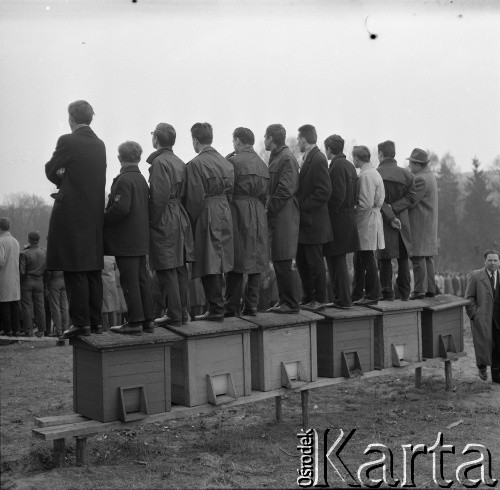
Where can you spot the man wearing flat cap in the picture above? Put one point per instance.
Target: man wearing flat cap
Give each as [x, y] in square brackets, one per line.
[423, 215]
[31, 270]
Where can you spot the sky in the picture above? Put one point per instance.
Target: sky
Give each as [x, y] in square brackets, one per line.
[430, 78]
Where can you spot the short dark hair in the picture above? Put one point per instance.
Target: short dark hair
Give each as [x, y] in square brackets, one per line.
[491, 251]
[203, 132]
[308, 132]
[277, 133]
[335, 143]
[81, 112]
[362, 153]
[130, 152]
[245, 135]
[165, 134]
[387, 148]
[4, 223]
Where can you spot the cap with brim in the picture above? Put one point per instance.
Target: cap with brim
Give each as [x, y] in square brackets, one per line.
[419, 156]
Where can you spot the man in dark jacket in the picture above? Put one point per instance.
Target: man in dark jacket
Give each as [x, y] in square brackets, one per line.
[126, 236]
[282, 216]
[399, 196]
[75, 242]
[315, 229]
[250, 234]
[342, 211]
[210, 179]
[171, 238]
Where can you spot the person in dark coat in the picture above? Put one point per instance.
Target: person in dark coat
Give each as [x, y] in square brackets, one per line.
[126, 236]
[250, 234]
[283, 216]
[210, 179]
[342, 212]
[75, 239]
[315, 229]
[423, 216]
[483, 292]
[171, 237]
[400, 194]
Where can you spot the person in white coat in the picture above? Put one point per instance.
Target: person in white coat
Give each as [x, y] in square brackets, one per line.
[371, 196]
[10, 289]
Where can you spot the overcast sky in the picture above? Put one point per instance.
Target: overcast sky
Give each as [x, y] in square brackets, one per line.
[431, 78]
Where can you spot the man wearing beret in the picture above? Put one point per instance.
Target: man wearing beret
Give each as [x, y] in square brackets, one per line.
[423, 216]
[31, 270]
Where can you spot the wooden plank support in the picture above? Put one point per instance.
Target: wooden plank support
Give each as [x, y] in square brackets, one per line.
[59, 452]
[304, 395]
[81, 445]
[72, 418]
[418, 377]
[447, 374]
[279, 408]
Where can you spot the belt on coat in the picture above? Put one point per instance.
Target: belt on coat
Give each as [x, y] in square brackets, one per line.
[246, 198]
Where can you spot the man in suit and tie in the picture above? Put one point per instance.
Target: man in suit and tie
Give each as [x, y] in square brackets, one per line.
[483, 291]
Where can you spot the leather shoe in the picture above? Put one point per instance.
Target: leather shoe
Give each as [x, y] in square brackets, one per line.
[211, 317]
[283, 309]
[162, 320]
[495, 375]
[128, 329]
[483, 374]
[74, 331]
[172, 323]
[39, 334]
[229, 314]
[417, 296]
[249, 311]
[313, 306]
[388, 297]
[365, 302]
[97, 329]
[430, 295]
[336, 304]
[148, 327]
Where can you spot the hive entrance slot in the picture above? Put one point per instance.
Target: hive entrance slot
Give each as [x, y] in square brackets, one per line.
[400, 356]
[350, 364]
[132, 403]
[220, 388]
[292, 374]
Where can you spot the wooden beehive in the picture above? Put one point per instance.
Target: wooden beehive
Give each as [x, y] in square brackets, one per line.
[283, 350]
[443, 326]
[212, 363]
[398, 337]
[345, 341]
[122, 376]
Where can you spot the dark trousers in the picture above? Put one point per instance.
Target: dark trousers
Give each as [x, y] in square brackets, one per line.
[423, 274]
[495, 354]
[365, 276]
[339, 277]
[84, 291]
[234, 286]
[285, 281]
[403, 281]
[10, 313]
[33, 303]
[174, 285]
[136, 286]
[311, 267]
[58, 306]
[212, 285]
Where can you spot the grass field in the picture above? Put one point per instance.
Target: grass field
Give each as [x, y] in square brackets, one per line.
[243, 447]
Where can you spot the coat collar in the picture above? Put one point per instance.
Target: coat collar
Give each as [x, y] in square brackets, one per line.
[129, 168]
[276, 151]
[310, 154]
[206, 149]
[388, 162]
[486, 280]
[367, 166]
[158, 152]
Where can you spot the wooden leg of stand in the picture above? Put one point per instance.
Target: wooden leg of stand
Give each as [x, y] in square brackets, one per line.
[279, 408]
[59, 452]
[447, 375]
[418, 377]
[305, 408]
[81, 444]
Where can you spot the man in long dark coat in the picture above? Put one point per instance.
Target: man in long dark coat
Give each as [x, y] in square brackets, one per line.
[210, 179]
[250, 234]
[171, 238]
[282, 216]
[342, 211]
[75, 239]
[483, 291]
[315, 229]
[126, 236]
[399, 196]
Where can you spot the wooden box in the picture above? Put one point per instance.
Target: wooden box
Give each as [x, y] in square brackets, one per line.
[283, 350]
[443, 326]
[398, 337]
[212, 363]
[345, 341]
[114, 373]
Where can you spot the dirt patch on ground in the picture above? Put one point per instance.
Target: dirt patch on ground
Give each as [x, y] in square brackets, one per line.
[242, 447]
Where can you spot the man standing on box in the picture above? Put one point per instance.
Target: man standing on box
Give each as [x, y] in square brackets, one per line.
[483, 291]
[75, 243]
[31, 270]
[126, 236]
[210, 179]
[250, 234]
[283, 216]
[315, 228]
[171, 239]
[342, 211]
[370, 228]
[423, 215]
[399, 196]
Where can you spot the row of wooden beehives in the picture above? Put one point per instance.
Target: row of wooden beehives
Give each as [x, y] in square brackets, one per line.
[126, 377]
